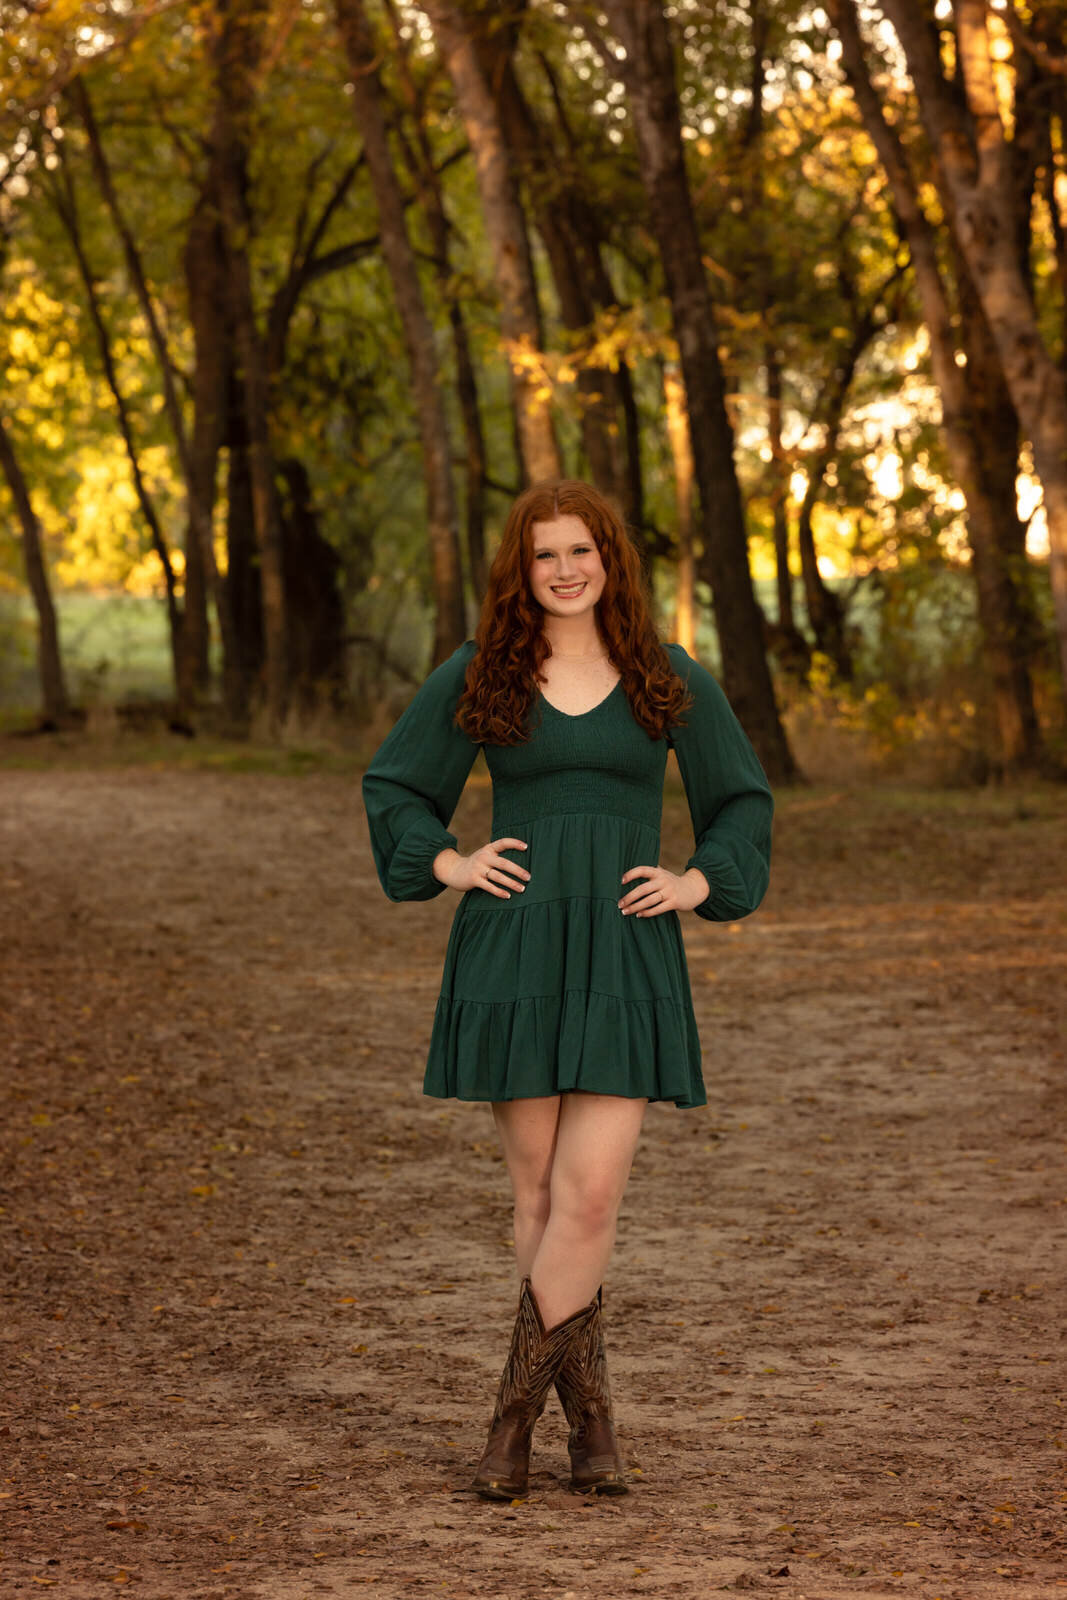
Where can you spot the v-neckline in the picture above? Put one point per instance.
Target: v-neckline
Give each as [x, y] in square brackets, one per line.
[576, 716]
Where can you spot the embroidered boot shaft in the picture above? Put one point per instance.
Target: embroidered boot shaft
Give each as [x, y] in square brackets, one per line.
[533, 1362]
[582, 1385]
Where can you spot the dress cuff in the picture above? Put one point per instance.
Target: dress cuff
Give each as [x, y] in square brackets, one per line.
[410, 874]
[731, 895]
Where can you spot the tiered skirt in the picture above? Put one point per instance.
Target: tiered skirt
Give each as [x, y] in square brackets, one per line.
[555, 990]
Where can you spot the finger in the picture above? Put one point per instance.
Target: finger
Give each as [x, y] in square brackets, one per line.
[640, 900]
[511, 844]
[485, 883]
[654, 879]
[655, 905]
[637, 872]
[629, 901]
[504, 871]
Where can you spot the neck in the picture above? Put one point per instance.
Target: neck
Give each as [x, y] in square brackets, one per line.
[578, 638]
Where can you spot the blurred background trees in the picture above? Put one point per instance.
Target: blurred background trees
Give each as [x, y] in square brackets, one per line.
[297, 295]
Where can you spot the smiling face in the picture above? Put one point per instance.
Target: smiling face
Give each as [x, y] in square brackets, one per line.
[566, 573]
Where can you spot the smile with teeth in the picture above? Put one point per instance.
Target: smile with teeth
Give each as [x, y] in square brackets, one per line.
[568, 590]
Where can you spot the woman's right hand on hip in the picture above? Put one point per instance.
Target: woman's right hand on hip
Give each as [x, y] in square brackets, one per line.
[485, 869]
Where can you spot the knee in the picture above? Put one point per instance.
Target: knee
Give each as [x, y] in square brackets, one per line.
[590, 1206]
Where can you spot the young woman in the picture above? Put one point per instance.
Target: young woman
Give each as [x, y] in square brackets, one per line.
[565, 1000]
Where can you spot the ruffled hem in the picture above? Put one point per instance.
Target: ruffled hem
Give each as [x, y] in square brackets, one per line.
[549, 1044]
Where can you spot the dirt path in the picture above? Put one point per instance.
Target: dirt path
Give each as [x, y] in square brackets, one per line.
[257, 1290]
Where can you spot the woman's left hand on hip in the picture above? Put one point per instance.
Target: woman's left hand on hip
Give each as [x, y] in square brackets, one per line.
[662, 891]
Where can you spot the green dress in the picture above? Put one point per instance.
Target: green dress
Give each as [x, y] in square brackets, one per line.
[554, 989]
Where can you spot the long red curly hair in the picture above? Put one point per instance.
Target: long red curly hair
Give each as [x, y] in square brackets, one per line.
[504, 675]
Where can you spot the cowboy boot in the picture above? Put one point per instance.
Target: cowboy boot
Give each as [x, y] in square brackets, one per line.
[582, 1385]
[534, 1359]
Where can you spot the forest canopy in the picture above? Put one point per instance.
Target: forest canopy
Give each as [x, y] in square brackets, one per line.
[297, 295]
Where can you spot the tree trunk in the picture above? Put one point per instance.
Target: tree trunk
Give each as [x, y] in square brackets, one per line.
[49, 662]
[362, 51]
[244, 592]
[587, 242]
[475, 455]
[779, 489]
[67, 208]
[315, 608]
[192, 673]
[789, 646]
[505, 228]
[552, 203]
[1006, 614]
[428, 185]
[1059, 239]
[207, 287]
[967, 436]
[236, 54]
[649, 75]
[79, 95]
[826, 614]
[976, 169]
[682, 457]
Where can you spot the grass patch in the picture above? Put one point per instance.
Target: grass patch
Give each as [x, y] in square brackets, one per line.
[168, 753]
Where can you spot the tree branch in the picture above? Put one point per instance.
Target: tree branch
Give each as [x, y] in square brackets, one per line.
[1055, 66]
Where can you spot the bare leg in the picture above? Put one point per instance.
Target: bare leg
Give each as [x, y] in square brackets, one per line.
[527, 1131]
[594, 1149]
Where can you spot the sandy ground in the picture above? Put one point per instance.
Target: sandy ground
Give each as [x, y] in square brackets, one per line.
[257, 1290]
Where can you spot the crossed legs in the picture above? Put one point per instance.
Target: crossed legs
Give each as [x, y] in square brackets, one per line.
[569, 1159]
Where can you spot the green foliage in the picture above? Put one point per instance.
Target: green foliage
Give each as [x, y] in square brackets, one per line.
[800, 241]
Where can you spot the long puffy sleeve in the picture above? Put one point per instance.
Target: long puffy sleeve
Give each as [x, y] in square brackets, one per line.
[729, 797]
[414, 782]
